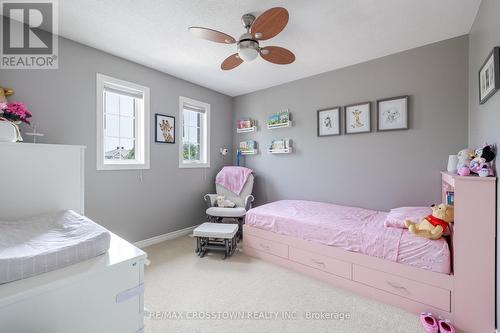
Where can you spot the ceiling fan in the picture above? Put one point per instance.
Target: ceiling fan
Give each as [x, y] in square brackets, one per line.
[264, 27]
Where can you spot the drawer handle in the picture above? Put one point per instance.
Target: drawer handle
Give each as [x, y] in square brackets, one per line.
[265, 247]
[319, 263]
[396, 286]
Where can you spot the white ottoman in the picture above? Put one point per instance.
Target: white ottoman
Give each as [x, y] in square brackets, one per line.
[216, 236]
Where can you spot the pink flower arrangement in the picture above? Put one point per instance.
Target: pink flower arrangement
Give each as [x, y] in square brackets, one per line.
[15, 112]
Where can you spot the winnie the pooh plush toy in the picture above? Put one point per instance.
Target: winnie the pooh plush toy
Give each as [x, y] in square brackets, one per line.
[433, 226]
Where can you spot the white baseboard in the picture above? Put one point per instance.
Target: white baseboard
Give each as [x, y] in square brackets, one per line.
[161, 238]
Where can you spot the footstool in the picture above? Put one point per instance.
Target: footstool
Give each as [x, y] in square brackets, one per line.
[216, 236]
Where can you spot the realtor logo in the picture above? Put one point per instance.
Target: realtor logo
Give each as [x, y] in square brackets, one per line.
[29, 34]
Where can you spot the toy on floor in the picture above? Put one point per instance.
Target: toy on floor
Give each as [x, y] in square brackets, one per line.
[432, 226]
[482, 164]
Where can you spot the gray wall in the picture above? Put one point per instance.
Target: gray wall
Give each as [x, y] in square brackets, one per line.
[64, 105]
[484, 120]
[375, 170]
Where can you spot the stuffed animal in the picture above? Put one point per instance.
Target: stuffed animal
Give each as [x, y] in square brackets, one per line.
[224, 203]
[464, 158]
[433, 226]
[482, 164]
[4, 93]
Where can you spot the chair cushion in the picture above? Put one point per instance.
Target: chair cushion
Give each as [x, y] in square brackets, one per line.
[216, 230]
[226, 212]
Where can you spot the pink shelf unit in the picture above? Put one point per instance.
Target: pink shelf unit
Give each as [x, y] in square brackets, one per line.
[467, 296]
[473, 250]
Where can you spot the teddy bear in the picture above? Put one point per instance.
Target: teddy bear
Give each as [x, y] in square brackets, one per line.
[434, 225]
[482, 164]
[224, 203]
[4, 93]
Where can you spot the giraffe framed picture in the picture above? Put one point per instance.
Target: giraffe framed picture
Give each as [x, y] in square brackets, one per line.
[165, 128]
[357, 118]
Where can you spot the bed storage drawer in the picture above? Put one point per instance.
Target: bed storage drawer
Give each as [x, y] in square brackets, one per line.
[327, 264]
[278, 249]
[417, 291]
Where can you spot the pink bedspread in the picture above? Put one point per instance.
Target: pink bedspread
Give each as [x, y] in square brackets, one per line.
[353, 229]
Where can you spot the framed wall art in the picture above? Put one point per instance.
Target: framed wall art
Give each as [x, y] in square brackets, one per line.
[357, 118]
[329, 121]
[392, 113]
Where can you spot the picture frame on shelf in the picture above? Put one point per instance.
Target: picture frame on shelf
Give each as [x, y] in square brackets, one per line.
[392, 113]
[489, 76]
[357, 118]
[164, 128]
[328, 121]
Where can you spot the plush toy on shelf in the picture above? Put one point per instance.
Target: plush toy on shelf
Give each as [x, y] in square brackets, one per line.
[482, 164]
[434, 225]
[465, 156]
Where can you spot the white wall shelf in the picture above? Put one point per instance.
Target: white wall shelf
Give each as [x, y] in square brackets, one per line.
[280, 151]
[246, 130]
[284, 125]
[253, 152]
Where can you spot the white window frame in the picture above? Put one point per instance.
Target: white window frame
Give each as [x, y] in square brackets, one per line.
[205, 133]
[142, 124]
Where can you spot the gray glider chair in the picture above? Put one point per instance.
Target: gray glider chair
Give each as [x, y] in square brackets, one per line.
[243, 203]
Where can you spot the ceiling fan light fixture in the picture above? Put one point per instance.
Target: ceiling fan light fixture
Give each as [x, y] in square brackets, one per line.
[248, 50]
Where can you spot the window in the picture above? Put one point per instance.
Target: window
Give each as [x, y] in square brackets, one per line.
[194, 150]
[122, 124]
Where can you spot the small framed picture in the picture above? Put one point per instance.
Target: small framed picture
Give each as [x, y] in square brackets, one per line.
[329, 121]
[392, 114]
[357, 118]
[489, 76]
[165, 128]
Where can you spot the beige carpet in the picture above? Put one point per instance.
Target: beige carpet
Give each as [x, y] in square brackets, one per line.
[180, 284]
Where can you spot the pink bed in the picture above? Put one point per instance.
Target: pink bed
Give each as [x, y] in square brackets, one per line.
[353, 229]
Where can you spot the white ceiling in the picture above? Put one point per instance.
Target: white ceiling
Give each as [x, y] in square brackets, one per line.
[323, 34]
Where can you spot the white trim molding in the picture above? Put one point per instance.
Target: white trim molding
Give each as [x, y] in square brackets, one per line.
[168, 236]
[205, 141]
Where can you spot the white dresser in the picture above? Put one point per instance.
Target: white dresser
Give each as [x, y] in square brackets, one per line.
[100, 295]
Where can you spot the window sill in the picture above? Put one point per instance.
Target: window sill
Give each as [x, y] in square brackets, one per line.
[110, 167]
[194, 165]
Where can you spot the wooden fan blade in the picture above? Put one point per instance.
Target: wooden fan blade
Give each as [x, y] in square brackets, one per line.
[270, 23]
[231, 62]
[277, 55]
[212, 35]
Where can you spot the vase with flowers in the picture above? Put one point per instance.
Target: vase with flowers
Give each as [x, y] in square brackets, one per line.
[12, 114]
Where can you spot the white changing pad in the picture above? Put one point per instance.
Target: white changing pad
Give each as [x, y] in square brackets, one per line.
[44, 243]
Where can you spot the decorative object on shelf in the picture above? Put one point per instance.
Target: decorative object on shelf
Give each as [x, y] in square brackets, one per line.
[357, 118]
[246, 125]
[12, 114]
[35, 134]
[248, 147]
[329, 121]
[489, 76]
[452, 163]
[450, 198]
[482, 164]
[4, 93]
[280, 146]
[279, 120]
[165, 128]
[464, 157]
[392, 113]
